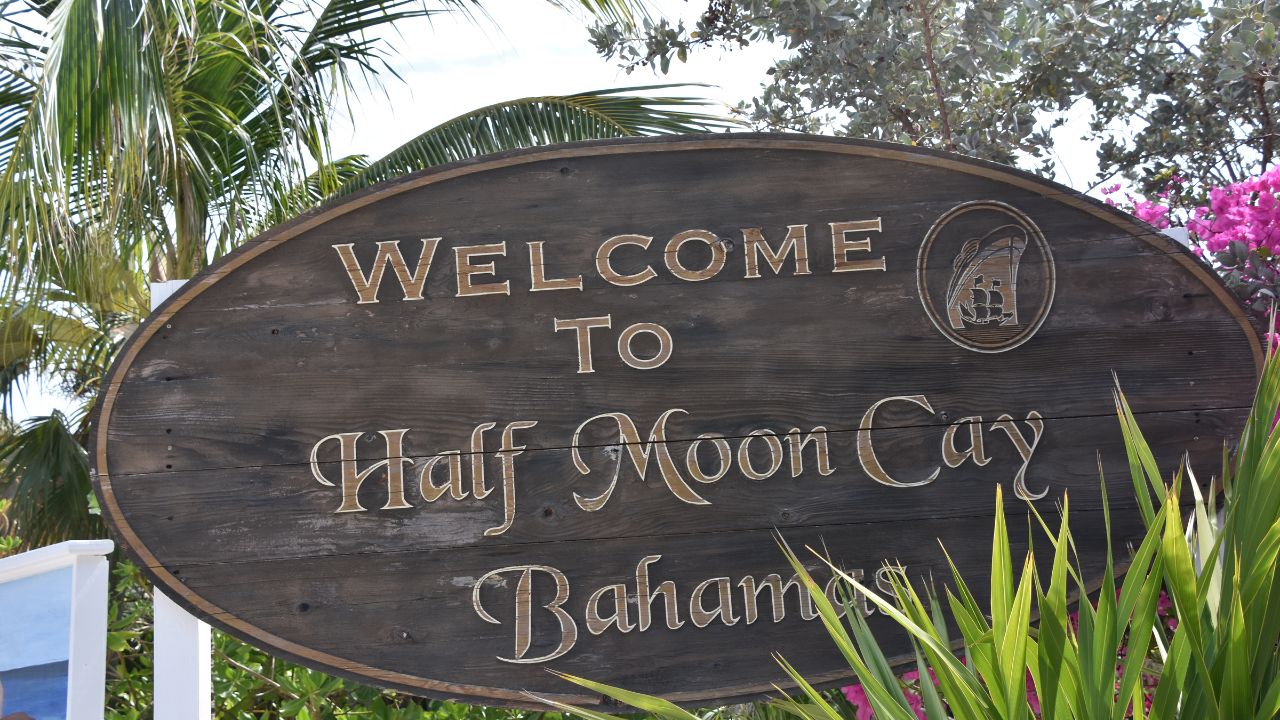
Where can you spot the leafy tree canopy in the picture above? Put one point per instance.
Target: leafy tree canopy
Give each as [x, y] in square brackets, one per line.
[1172, 83]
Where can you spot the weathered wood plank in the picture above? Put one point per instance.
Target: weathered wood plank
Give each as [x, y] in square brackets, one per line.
[929, 326]
[302, 522]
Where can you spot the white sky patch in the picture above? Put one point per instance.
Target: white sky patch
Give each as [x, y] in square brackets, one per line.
[451, 65]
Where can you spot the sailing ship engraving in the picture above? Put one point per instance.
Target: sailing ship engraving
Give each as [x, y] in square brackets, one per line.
[983, 291]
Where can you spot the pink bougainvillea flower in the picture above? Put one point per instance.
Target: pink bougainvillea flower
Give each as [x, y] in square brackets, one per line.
[857, 697]
[1032, 698]
[1247, 212]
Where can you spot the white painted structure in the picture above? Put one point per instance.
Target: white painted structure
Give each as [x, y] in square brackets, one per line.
[87, 564]
[183, 669]
[183, 646]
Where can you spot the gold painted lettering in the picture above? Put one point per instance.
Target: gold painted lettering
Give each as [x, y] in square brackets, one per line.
[797, 241]
[432, 492]
[797, 445]
[857, 599]
[629, 438]
[465, 269]
[353, 477]
[841, 246]
[645, 598]
[1025, 449]
[702, 617]
[478, 488]
[831, 590]
[679, 270]
[604, 264]
[751, 596]
[630, 358]
[695, 468]
[507, 455]
[524, 611]
[583, 326]
[884, 583]
[953, 456]
[596, 623]
[867, 453]
[388, 254]
[775, 454]
[538, 280]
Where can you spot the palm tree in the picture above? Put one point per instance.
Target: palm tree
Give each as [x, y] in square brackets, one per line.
[140, 139]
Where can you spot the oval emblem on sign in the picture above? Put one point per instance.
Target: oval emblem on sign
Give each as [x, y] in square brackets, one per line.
[1001, 284]
[546, 410]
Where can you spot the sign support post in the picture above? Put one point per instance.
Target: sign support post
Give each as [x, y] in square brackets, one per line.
[183, 646]
[183, 670]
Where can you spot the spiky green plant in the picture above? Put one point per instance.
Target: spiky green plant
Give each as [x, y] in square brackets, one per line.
[1222, 661]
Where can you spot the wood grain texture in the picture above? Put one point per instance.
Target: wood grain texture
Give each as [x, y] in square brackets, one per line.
[212, 417]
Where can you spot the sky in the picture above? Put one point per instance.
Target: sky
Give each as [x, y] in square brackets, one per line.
[449, 65]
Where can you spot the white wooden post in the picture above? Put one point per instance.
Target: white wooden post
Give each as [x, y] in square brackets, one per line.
[183, 649]
[183, 666]
[87, 635]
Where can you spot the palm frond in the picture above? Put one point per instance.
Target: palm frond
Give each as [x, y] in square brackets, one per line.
[534, 121]
[625, 12]
[282, 201]
[48, 472]
[16, 94]
[342, 31]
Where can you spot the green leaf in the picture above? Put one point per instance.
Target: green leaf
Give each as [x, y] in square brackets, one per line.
[648, 703]
[530, 122]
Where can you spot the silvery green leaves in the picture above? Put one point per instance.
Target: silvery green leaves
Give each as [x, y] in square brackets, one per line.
[1166, 83]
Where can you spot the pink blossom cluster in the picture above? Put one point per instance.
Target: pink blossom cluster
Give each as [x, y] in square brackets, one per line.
[1247, 212]
[910, 682]
[1151, 212]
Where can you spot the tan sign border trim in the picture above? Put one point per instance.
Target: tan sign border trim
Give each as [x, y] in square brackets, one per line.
[283, 233]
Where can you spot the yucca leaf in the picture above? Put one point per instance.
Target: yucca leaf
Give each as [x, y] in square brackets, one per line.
[830, 618]
[1235, 698]
[1140, 620]
[1261, 604]
[1056, 663]
[1143, 468]
[867, 647]
[907, 599]
[797, 708]
[966, 688]
[933, 707]
[1011, 640]
[648, 703]
[1269, 708]
[887, 705]
[1180, 579]
[573, 709]
[1170, 695]
[875, 674]
[1001, 569]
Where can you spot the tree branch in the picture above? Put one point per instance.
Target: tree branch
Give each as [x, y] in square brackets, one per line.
[1268, 124]
[926, 17]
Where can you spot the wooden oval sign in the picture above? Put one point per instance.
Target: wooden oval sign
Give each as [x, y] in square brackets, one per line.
[546, 409]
